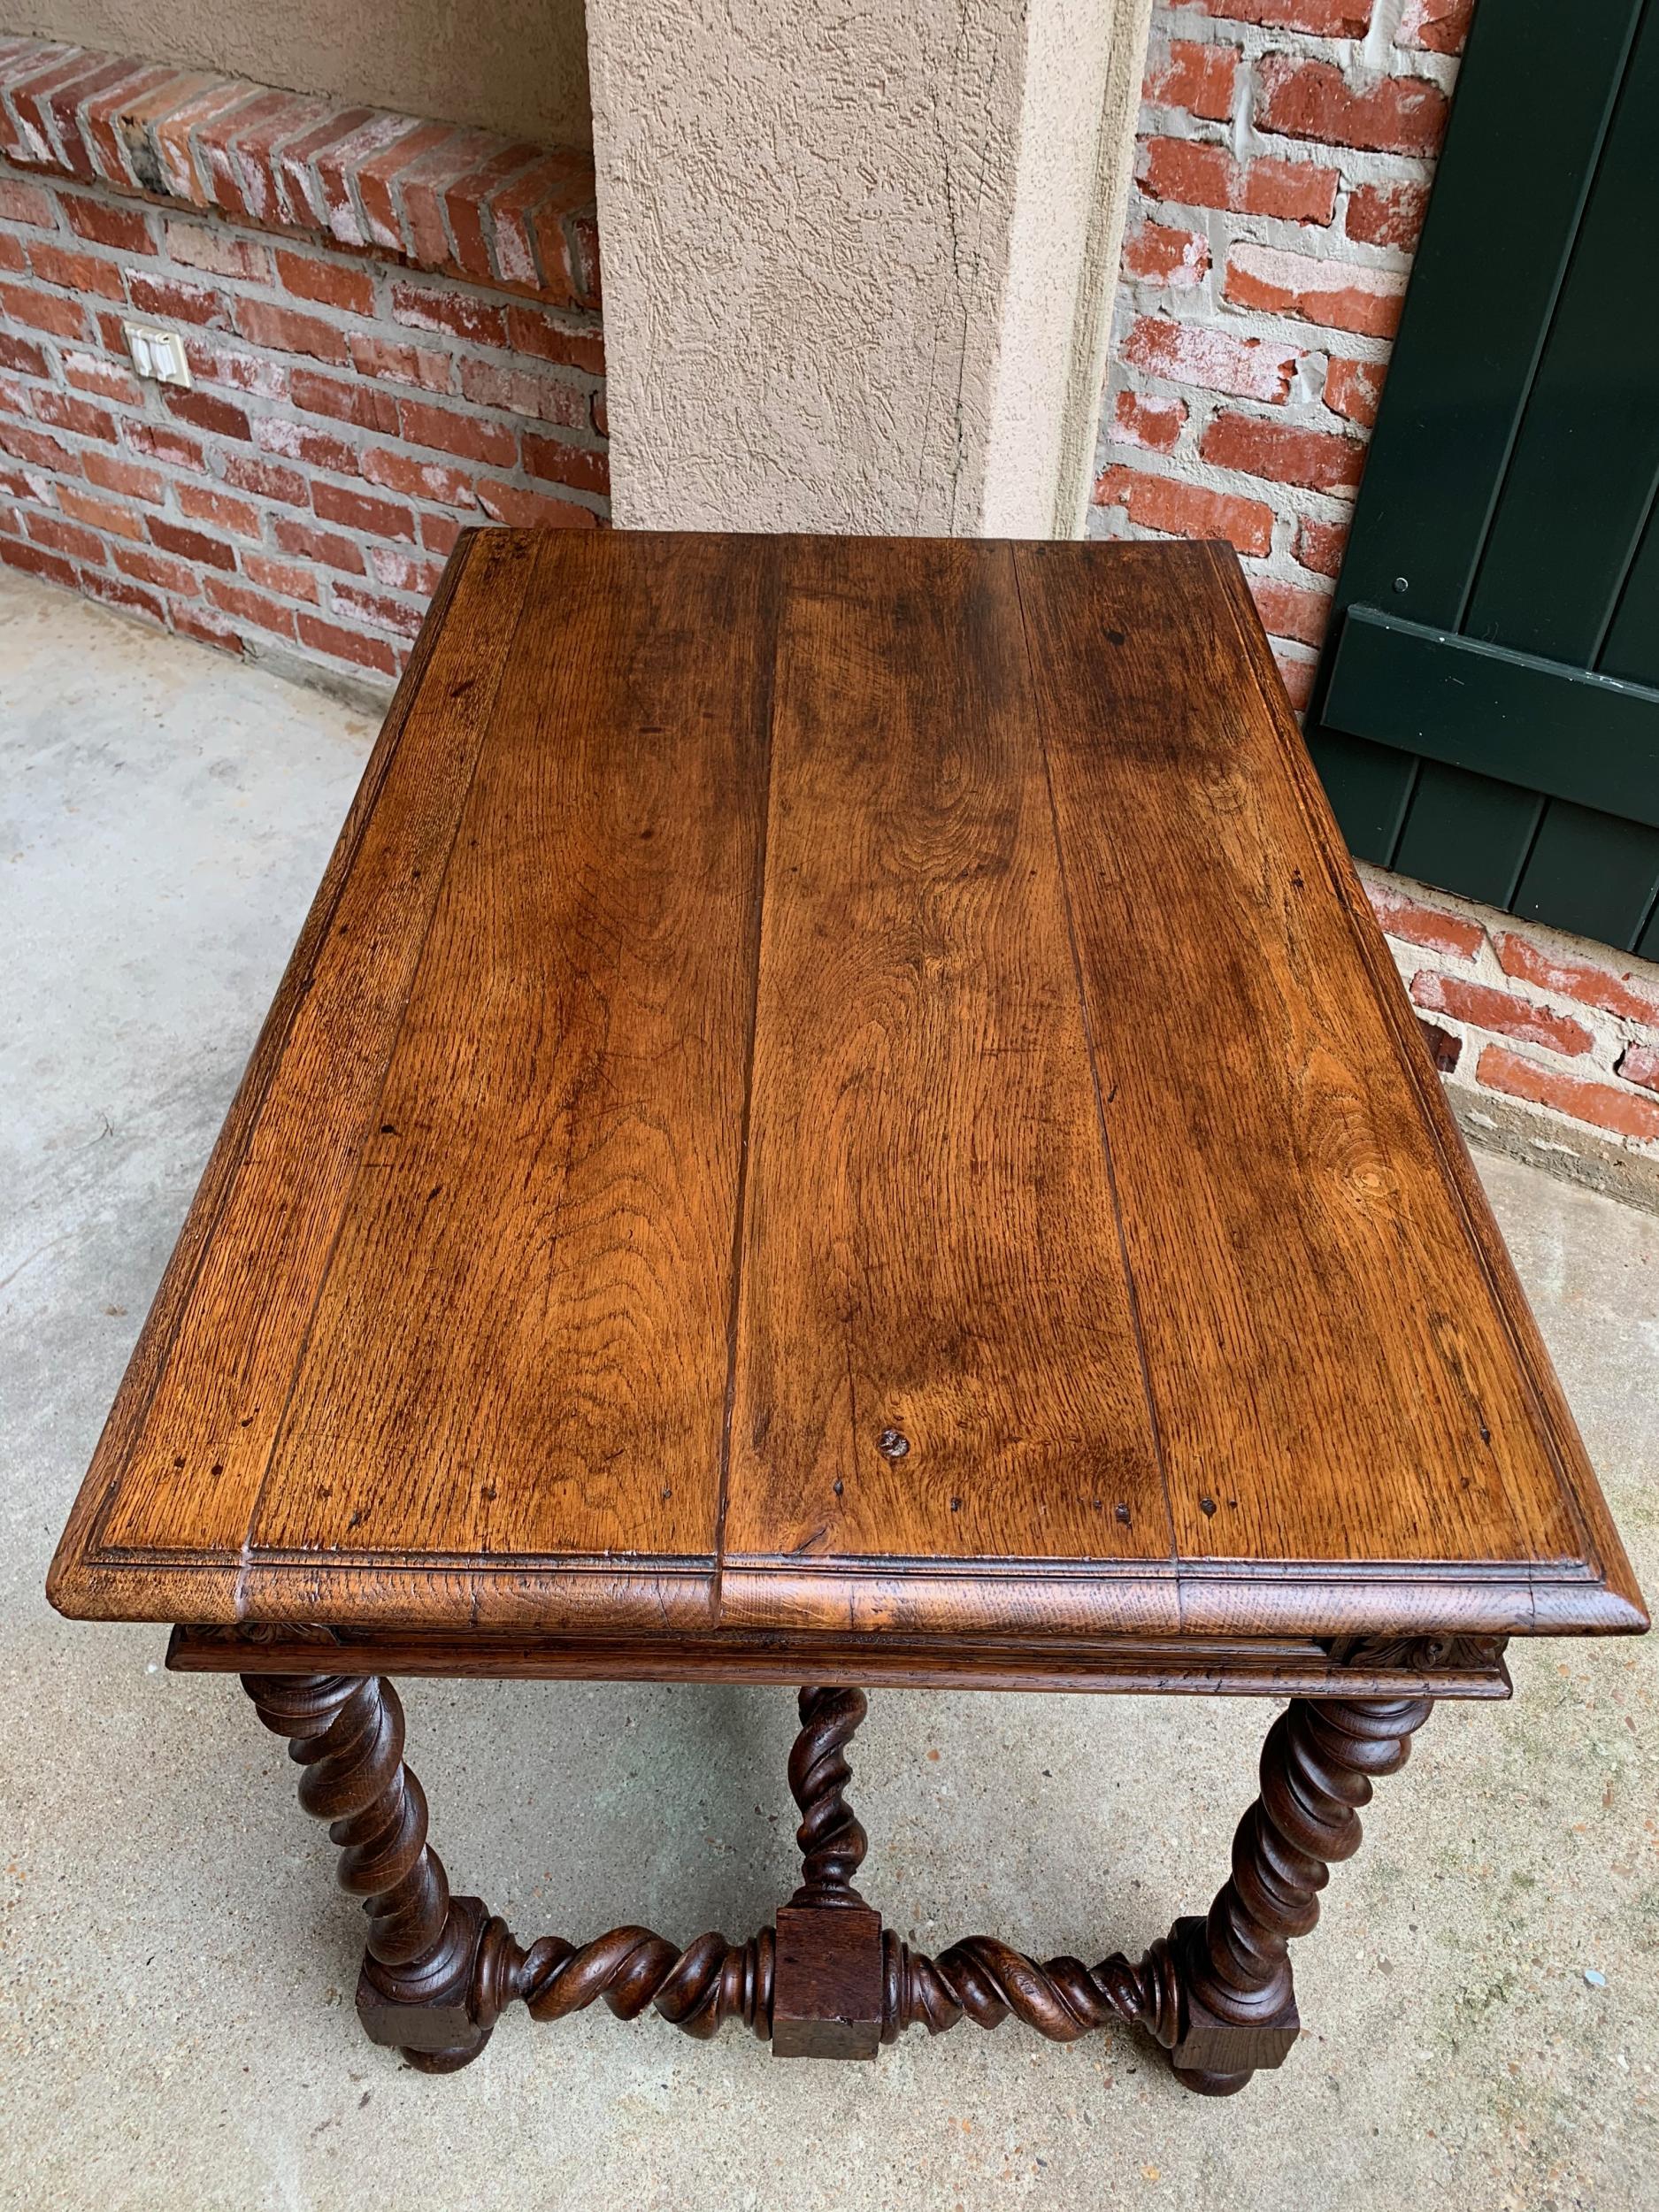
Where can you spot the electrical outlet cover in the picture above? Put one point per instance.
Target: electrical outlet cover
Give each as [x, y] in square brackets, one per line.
[157, 353]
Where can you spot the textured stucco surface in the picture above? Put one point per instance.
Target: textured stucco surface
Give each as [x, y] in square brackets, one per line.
[848, 249]
[518, 66]
[176, 1965]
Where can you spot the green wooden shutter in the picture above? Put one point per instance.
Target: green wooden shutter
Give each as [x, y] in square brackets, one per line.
[1487, 712]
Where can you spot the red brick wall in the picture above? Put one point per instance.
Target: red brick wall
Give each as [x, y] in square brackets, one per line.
[1562, 1031]
[1287, 150]
[392, 328]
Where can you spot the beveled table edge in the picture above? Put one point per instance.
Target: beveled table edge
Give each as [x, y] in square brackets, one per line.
[1039, 1601]
[1557, 1427]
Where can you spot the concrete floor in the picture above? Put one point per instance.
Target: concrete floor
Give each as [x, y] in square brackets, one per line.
[177, 1967]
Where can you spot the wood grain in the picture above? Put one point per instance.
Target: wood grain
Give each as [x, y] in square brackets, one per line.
[1439, 1667]
[188, 1478]
[522, 1346]
[1327, 1377]
[843, 1096]
[1604, 1552]
[936, 1351]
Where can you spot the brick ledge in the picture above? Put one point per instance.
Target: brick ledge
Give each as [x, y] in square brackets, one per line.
[495, 211]
[1570, 1151]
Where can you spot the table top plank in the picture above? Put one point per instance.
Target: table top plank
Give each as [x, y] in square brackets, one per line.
[522, 1346]
[1328, 1378]
[930, 1253]
[189, 1476]
[771, 991]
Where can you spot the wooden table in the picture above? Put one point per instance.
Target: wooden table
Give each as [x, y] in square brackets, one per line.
[841, 1116]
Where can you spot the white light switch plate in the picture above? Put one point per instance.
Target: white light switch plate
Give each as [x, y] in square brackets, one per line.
[157, 353]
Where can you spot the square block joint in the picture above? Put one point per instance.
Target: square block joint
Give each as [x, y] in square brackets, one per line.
[1209, 2045]
[430, 2013]
[827, 1982]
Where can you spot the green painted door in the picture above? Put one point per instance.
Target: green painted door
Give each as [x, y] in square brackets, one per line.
[1487, 713]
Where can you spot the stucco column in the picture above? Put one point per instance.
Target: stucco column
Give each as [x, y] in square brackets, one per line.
[859, 257]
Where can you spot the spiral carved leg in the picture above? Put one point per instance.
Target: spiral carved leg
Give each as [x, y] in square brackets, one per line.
[1215, 1993]
[832, 1844]
[438, 1970]
[1319, 1763]
[346, 1732]
[696, 1990]
[712, 1981]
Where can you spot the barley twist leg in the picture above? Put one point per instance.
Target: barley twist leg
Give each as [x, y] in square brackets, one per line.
[346, 1732]
[1318, 1764]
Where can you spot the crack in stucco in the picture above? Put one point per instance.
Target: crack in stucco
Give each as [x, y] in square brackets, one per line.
[953, 240]
[982, 300]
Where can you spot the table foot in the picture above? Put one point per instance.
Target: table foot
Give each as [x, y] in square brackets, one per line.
[1318, 1764]
[1210, 2084]
[346, 1732]
[829, 1982]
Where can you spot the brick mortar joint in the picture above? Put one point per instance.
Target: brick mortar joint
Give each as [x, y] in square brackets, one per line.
[353, 439]
[376, 322]
[1175, 23]
[1318, 292]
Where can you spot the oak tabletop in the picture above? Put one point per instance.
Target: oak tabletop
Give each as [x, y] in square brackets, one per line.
[842, 1084]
